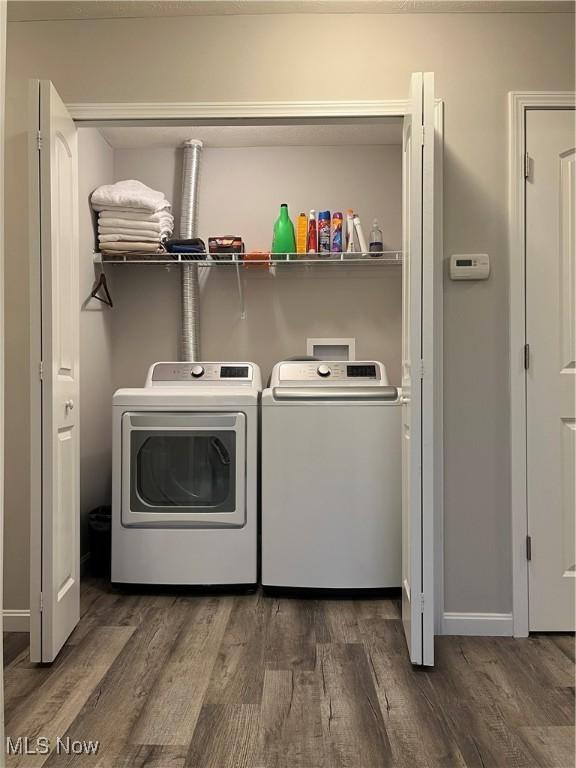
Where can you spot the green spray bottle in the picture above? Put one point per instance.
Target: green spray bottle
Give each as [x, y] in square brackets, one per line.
[284, 240]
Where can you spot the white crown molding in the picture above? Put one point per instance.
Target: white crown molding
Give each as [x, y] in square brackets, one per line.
[478, 624]
[493, 6]
[233, 110]
[520, 100]
[16, 620]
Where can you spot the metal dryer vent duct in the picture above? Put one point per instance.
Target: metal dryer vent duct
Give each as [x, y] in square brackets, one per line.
[190, 344]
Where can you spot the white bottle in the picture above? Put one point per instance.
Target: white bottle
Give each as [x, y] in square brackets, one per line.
[360, 234]
[349, 231]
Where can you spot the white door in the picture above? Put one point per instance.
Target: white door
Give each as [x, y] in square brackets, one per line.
[418, 373]
[551, 374]
[55, 550]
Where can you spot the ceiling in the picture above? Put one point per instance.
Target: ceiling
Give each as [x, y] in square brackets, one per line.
[383, 131]
[45, 10]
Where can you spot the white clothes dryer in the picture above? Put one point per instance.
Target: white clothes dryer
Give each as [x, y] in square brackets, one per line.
[331, 477]
[185, 472]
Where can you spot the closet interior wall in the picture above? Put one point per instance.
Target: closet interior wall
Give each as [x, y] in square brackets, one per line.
[96, 167]
[241, 188]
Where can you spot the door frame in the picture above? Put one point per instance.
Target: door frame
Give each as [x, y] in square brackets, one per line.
[95, 114]
[3, 7]
[519, 103]
[36, 432]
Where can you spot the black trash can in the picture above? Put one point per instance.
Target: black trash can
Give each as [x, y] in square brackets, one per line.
[100, 540]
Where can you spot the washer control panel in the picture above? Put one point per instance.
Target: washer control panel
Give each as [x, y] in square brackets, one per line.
[323, 372]
[162, 373]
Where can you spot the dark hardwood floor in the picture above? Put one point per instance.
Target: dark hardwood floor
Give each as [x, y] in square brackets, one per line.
[247, 681]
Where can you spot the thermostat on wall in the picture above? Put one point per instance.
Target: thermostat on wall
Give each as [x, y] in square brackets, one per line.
[469, 266]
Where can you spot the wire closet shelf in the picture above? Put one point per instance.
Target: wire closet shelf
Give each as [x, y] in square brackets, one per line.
[386, 258]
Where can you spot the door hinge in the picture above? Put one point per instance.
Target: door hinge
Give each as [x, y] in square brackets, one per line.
[528, 547]
[422, 602]
[41, 602]
[41, 370]
[421, 369]
[39, 140]
[527, 166]
[526, 356]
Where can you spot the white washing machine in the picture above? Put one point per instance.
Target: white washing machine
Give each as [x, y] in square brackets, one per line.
[185, 470]
[331, 477]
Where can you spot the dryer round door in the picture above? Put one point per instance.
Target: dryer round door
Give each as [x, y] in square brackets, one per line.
[183, 469]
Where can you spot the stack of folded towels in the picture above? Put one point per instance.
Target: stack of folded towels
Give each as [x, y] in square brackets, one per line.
[132, 217]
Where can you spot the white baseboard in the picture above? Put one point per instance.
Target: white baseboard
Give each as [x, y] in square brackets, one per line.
[480, 624]
[15, 620]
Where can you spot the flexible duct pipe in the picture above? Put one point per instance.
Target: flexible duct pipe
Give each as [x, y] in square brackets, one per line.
[188, 228]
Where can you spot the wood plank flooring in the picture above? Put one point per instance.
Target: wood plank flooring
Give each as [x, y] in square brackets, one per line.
[249, 681]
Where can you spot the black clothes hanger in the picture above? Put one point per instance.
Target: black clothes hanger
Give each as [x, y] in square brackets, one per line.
[102, 285]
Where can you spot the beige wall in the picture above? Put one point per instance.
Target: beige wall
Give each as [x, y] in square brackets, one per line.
[241, 188]
[477, 60]
[240, 193]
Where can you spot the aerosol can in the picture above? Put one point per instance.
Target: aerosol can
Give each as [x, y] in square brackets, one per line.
[324, 233]
[336, 232]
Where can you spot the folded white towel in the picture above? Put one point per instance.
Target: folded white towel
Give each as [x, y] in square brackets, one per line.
[162, 208]
[128, 194]
[132, 246]
[119, 225]
[146, 234]
[134, 215]
[128, 238]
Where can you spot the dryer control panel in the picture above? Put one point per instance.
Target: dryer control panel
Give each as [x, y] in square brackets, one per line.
[342, 373]
[182, 374]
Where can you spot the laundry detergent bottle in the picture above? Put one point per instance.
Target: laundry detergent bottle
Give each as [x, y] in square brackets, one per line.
[284, 240]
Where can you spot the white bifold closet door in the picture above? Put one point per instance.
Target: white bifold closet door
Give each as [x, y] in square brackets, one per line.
[418, 373]
[55, 557]
[55, 482]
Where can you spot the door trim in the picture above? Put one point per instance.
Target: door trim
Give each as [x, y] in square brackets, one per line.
[438, 394]
[519, 102]
[3, 7]
[36, 441]
[98, 114]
